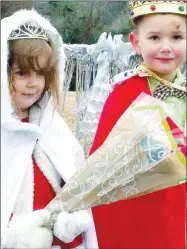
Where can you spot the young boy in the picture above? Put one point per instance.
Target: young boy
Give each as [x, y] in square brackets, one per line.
[156, 220]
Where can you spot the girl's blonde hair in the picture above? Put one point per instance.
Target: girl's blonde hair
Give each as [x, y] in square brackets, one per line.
[26, 53]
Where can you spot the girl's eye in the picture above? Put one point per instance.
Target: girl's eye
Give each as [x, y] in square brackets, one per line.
[154, 37]
[40, 73]
[21, 73]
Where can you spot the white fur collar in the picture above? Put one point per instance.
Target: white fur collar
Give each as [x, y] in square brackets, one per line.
[25, 200]
[47, 168]
[8, 24]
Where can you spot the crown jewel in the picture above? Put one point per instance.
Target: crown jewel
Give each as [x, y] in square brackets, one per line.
[140, 8]
[28, 31]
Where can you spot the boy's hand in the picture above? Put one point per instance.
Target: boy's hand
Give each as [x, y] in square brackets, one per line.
[69, 225]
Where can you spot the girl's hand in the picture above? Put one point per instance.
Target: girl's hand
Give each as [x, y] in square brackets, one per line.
[28, 231]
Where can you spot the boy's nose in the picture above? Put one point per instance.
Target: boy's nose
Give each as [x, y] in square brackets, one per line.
[166, 47]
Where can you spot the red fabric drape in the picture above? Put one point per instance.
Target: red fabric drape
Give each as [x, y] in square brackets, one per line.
[43, 194]
[154, 221]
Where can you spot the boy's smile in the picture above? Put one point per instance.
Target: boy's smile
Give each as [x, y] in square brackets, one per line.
[161, 40]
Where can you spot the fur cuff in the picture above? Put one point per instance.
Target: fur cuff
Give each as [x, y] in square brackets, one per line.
[28, 231]
[35, 219]
[36, 237]
[69, 226]
[82, 219]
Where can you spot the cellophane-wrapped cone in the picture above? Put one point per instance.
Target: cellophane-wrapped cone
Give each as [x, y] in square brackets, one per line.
[144, 152]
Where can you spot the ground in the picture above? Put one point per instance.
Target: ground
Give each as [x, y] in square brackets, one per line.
[70, 118]
[69, 114]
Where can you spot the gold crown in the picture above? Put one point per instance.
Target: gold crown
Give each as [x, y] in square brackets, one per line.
[140, 8]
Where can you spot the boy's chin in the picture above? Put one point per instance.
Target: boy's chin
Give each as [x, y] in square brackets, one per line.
[163, 70]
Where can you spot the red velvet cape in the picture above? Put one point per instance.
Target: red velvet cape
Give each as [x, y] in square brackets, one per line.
[154, 221]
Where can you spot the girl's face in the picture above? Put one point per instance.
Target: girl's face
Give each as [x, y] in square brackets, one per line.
[28, 85]
[161, 40]
[32, 70]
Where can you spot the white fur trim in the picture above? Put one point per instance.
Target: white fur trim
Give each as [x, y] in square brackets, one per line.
[68, 226]
[47, 168]
[27, 231]
[121, 77]
[37, 237]
[40, 156]
[65, 228]
[90, 236]
[82, 219]
[24, 202]
[33, 219]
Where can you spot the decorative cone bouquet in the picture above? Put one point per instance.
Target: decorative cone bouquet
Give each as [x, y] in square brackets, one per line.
[144, 152]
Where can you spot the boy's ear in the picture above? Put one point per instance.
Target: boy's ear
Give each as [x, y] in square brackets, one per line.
[133, 37]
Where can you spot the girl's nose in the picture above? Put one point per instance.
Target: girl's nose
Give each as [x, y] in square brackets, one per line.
[32, 79]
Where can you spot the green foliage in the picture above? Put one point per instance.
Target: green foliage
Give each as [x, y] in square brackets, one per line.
[85, 21]
[79, 21]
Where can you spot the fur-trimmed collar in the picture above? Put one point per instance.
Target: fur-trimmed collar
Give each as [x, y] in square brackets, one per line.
[8, 24]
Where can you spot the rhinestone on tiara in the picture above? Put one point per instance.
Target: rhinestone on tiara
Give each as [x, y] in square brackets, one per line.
[28, 31]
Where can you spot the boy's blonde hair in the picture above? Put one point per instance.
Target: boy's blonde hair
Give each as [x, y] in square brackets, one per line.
[25, 54]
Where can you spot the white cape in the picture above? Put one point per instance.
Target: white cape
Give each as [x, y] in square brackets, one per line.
[18, 139]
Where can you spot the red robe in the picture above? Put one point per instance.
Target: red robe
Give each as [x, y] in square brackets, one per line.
[153, 221]
[41, 200]
[43, 194]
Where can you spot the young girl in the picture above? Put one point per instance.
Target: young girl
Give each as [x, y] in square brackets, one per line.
[39, 153]
[156, 220]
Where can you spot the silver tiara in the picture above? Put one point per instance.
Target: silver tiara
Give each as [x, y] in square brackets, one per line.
[28, 31]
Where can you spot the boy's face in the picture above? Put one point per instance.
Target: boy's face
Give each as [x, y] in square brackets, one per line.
[161, 40]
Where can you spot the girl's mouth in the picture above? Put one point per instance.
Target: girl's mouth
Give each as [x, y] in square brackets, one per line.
[28, 95]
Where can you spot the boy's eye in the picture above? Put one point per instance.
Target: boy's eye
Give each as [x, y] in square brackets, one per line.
[154, 37]
[177, 37]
